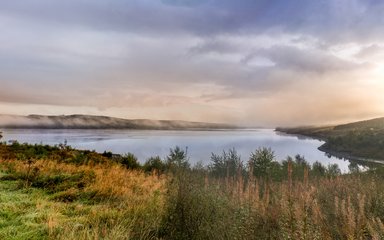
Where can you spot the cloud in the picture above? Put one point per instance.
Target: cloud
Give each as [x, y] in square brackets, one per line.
[332, 20]
[373, 52]
[205, 59]
[305, 59]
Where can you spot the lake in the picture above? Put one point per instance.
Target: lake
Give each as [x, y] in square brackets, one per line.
[200, 144]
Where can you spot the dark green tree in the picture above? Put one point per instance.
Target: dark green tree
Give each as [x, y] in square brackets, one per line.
[333, 170]
[130, 161]
[353, 167]
[226, 164]
[154, 164]
[299, 166]
[177, 159]
[261, 161]
[318, 169]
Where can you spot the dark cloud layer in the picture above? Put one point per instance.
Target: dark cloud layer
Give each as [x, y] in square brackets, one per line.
[333, 20]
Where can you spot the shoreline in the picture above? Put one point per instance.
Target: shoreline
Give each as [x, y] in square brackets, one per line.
[339, 155]
[347, 156]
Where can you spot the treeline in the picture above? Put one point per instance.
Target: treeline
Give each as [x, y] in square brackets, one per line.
[261, 163]
[367, 143]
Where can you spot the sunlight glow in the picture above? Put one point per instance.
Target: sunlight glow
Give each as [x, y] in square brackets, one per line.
[379, 70]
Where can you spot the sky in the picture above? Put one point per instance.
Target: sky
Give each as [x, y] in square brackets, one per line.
[246, 62]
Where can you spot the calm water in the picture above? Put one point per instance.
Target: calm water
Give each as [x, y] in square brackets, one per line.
[200, 144]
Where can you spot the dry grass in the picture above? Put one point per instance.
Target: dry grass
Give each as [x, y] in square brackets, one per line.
[108, 201]
[344, 207]
[109, 180]
[111, 203]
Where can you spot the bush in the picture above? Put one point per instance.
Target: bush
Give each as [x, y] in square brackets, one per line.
[107, 154]
[333, 170]
[261, 161]
[155, 164]
[62, 182]
[177, 159]
[194, 211]
[318, 170]
[130, 161]
[226, 165]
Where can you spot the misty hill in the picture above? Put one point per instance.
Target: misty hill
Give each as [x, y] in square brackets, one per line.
[373, 124]
[363, 139]
[100, 122]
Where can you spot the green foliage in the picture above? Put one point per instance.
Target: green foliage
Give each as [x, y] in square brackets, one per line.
[261, 160]
[356, 140]
[25, 152]
[177, 159]
[276, 171]
[194, 211]
[155, 164]
[361, 143]
[299, 167]
[130, 161]
[222, 201]
[318, 170]
[226, 165]
[353, 167]
[107, 154]
[333, 170]
[62, 182]
[54, 183]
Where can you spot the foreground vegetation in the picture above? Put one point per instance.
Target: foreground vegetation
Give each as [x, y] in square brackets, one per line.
[62, 193]
[360, 140]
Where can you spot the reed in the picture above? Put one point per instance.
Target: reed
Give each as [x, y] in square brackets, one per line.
[105, 200]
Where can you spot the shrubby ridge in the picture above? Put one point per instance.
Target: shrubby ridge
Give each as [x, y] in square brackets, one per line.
[360, 140]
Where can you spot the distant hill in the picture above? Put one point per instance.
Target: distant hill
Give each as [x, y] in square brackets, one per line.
[101, 122]
[373, 124]
[376, 124]
[357, 140]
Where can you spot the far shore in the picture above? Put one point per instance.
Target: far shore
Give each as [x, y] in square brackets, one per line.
[340, 155]
[350, 157]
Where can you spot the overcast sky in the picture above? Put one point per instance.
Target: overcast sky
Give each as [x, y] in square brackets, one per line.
[254, 62]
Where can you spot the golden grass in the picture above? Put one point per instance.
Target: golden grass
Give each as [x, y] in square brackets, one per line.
[327, 208]
[110, 180]
[130, 202]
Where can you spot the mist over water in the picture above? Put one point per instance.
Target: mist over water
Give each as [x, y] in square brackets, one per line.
[199, 144]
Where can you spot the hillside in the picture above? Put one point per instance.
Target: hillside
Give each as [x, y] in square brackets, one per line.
[363, 139]
[100, 122]
[373, 124]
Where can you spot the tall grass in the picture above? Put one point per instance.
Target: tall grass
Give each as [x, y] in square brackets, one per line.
[245, 206]
[98, 201]
[103, 199]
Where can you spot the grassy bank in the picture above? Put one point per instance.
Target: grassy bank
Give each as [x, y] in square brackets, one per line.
[55, 194]
[74, 202]
[359, 140]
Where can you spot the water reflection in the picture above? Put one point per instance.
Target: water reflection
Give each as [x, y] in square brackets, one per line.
[147, 143]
